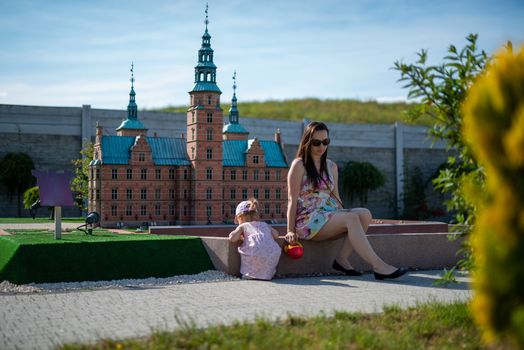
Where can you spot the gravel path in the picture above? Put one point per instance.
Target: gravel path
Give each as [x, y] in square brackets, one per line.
[208, 276]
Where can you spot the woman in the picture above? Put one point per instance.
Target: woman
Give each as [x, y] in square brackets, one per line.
[314, 213]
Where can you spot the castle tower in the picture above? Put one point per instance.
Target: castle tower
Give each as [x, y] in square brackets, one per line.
[233, 130]
[204, 137]
[131, 126]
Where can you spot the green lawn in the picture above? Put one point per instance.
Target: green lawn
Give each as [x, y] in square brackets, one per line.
[427, 326]
[35, 256]
[38, 220]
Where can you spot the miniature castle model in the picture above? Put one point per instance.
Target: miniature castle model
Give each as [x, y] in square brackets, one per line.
[135, 179]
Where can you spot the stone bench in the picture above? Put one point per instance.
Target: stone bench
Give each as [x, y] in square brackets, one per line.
[412, 250]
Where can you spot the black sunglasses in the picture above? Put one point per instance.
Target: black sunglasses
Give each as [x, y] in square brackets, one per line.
[317, 143]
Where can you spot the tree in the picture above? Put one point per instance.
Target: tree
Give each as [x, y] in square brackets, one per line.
[359, 178]
[494, 127]
[15, 174]
[80, 185]
[441, 91]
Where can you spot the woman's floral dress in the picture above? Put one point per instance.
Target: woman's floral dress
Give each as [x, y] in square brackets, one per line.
[259, 252]
[315, 206]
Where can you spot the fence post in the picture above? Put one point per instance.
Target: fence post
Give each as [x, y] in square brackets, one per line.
[399, 167]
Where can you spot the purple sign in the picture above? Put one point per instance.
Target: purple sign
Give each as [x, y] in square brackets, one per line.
[54, 188]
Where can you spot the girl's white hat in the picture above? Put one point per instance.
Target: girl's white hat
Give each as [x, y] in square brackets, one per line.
[242, 208]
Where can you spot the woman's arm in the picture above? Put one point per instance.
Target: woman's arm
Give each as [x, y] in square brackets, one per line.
[236, 235]
[294, 181]
[334, 171]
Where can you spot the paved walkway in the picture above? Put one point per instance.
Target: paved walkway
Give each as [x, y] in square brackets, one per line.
[45, 320]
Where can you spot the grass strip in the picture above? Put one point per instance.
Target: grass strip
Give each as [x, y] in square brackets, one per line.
[35, 256]
[426, 326]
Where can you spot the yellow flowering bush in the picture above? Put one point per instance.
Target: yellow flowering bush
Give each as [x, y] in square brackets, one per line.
[494, 128]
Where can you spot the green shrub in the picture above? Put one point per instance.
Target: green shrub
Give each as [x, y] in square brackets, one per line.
[31, 196]
[494, 127]
[359, 178]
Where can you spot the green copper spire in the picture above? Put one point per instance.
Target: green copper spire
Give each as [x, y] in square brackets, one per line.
[233, 111]
[132, 108]
[205, 70]
[233, 127]
[132, 121]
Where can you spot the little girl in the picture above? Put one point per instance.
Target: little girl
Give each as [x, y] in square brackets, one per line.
[259, 251]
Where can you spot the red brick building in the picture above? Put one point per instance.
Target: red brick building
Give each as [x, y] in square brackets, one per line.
[137, 179]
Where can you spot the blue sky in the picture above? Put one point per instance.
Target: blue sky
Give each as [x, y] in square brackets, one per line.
[72, 52]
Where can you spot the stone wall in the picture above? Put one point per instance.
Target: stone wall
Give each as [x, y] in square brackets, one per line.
[53, 136]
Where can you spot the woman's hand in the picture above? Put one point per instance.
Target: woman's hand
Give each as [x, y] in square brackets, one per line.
[291, 237]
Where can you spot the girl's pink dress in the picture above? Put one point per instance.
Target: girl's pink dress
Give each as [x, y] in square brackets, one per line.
[259, 252]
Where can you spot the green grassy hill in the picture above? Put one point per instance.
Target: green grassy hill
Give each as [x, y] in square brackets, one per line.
[337, 111]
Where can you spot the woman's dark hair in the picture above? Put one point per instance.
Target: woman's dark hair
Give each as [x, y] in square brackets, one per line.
[304, 152]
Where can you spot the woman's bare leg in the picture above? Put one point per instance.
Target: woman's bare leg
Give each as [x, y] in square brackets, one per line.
[365, 218]
[349, 223]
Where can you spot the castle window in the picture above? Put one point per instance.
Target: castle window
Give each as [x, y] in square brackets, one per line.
[143, 193]
[193, 152]
[255, 175]
[209, 153]
[209, 212]
[278, 209]
[209, 174]
[209, 117]
[192, 133]
[255, 193]
[278, 193]
[266, 209]
[278, 175]
[171, 174]
[143, 174]
[143, 210]
[129, 210]
[209, 97]
[209, 134]
[172, 193]
[129, 194]
[185, 193]
[158, 174]
[255, 159]
[114, 174]
[233, 193]
[157, 193]
[233, 174]
[157, 209]
[113, 210]
[192, 112]
[141, 157]
[114, 193]
[129, 174]
[267, 175]
[171, 209]
[244, 174]
[233, 210]
[186, 174]
[266, 193]
[185, 210]
[209, 193]
[244, 194]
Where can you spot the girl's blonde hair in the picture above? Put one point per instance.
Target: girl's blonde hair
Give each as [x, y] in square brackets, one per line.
[252, 214]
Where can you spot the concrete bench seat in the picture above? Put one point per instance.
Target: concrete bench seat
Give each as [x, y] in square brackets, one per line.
[412, 250]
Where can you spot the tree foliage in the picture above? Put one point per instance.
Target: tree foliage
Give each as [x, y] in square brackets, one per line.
[494, 127]
[79, 185]
[441, 91]
[15, 174]
[359, 178]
